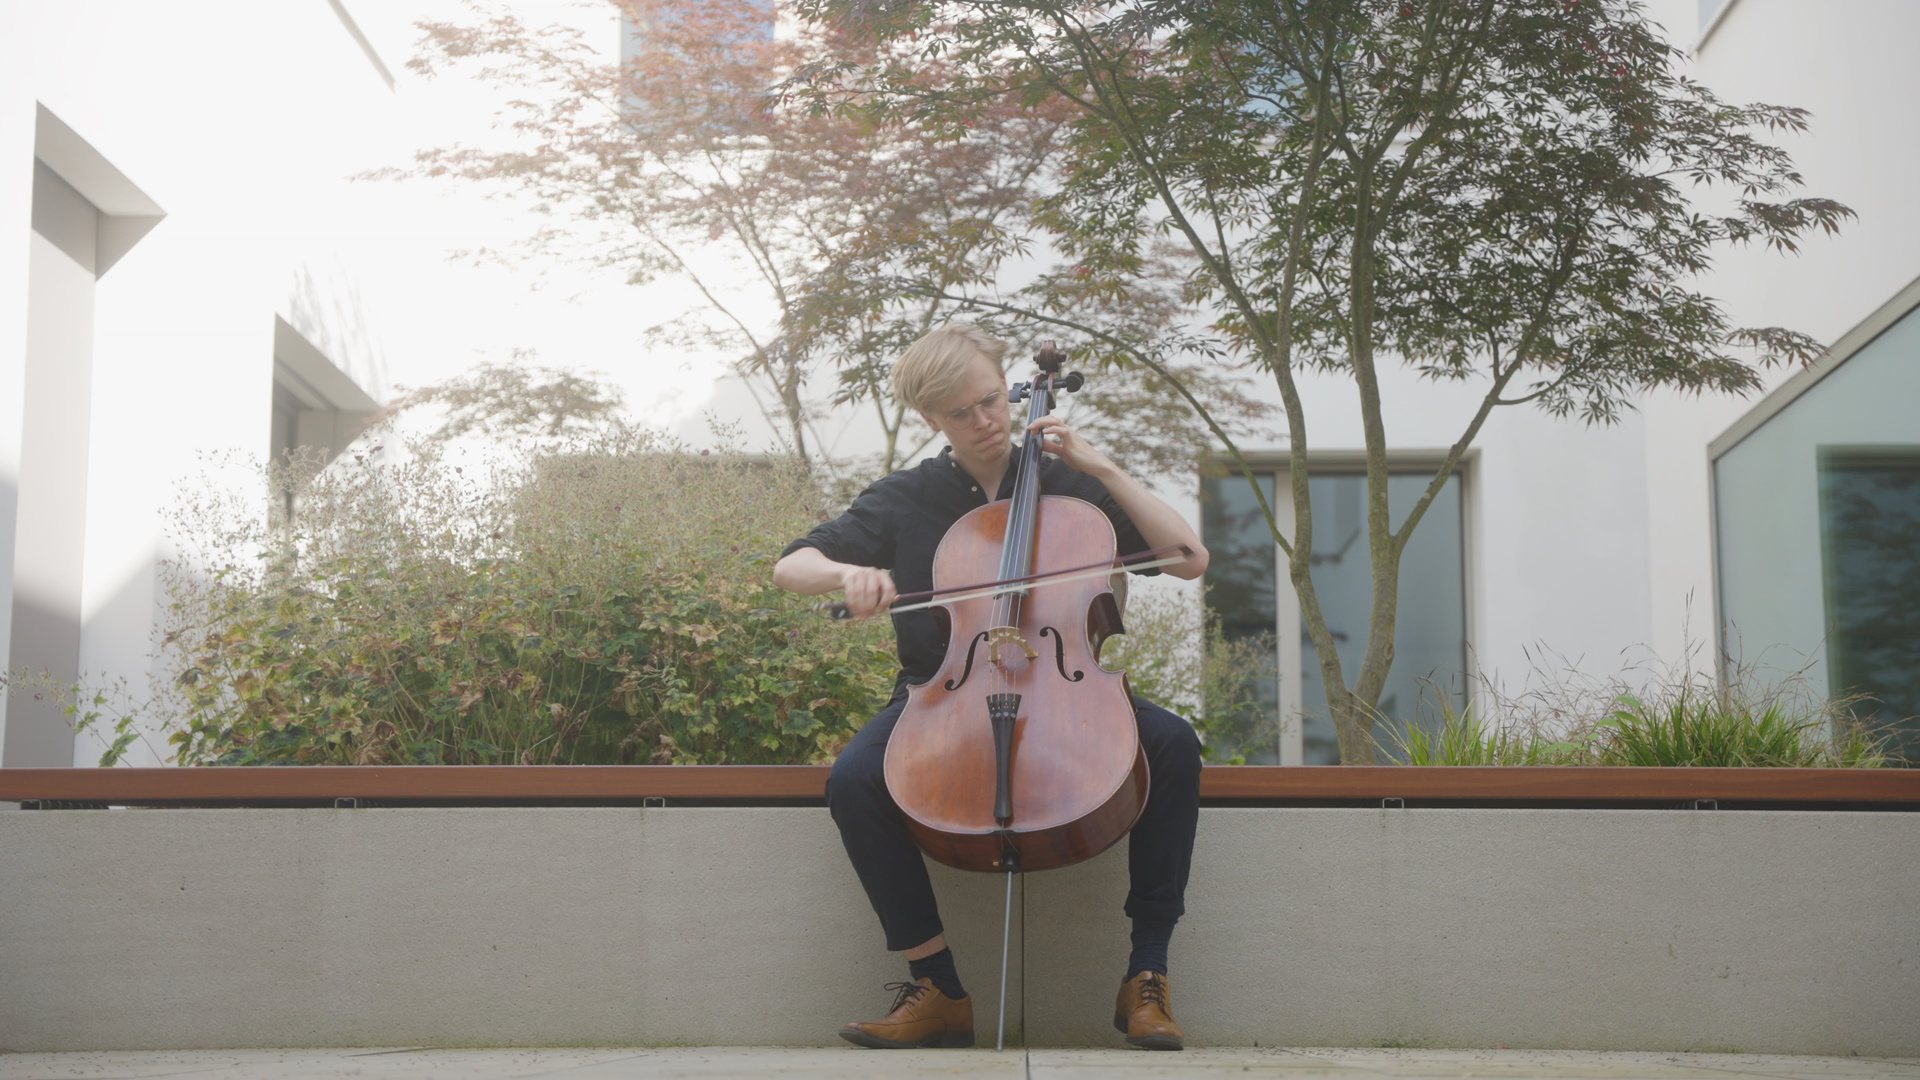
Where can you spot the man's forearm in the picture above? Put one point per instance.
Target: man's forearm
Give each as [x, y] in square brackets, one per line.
[1160, 525]
[809, 572]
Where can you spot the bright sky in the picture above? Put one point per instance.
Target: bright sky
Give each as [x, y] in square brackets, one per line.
[439, 317]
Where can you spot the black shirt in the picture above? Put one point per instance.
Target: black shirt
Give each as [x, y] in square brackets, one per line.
[897, 523]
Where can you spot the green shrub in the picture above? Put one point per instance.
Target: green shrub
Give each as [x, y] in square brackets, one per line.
[609, 603]
[1175, 655]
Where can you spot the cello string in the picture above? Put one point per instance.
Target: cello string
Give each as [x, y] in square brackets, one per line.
[1012, 546]
[1026, 501]
[1018, 553]
[1016, 561]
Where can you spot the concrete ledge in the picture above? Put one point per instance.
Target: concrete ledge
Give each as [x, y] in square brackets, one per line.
[1761, 931]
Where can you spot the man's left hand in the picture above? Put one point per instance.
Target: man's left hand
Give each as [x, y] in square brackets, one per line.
[1073, 448]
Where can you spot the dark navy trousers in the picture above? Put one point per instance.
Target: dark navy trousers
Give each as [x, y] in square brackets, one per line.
[891, 868]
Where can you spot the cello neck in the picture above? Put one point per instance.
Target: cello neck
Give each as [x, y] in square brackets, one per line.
[1016, 552]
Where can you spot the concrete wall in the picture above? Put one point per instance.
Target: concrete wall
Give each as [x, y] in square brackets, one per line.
[1762, 931]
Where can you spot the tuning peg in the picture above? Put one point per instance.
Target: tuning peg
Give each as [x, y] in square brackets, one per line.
[1019, 392]
[1073, 382]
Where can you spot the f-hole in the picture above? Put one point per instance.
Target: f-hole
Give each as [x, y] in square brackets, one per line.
[968, 670]
[1059, 655]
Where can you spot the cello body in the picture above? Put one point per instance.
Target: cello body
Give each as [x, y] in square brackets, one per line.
[1058, 775]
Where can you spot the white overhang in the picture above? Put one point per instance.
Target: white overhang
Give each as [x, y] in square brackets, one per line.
[1804, 380]
[307, 373]
[126, 213]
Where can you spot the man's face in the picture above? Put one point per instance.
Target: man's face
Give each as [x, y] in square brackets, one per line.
[976, 418]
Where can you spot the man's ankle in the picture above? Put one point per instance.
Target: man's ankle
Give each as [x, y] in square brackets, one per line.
[1150, 939]
[938, 968]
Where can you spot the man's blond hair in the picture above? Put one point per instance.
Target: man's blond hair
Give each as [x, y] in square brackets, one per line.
[933, 369]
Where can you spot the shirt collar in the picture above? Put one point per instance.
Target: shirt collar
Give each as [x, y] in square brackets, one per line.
[1006, 481]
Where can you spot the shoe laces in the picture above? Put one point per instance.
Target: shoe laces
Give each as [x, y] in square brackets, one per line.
[1153, 989]
[904, 992]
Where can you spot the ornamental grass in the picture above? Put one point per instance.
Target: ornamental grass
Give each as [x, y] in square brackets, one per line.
[1665, 717]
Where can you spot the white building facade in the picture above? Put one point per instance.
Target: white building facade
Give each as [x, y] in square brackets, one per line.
[176, 227]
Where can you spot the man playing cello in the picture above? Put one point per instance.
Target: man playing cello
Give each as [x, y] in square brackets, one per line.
[955, 379]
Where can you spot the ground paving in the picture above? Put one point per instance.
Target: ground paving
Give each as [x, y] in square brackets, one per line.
[765, 1063]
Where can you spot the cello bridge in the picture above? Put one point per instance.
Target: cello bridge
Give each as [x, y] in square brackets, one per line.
[1008, 635]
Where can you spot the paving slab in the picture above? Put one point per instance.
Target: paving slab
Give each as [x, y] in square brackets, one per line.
[1508, 1064]
[1504, 1064]
[817, 1063]
[1194, 1064]
[724, 1063]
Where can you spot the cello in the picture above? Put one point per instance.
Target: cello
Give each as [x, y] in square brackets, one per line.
[1022, 753]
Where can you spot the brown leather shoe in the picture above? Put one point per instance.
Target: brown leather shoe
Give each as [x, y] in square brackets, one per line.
[921, 1016]
[1143, 1015]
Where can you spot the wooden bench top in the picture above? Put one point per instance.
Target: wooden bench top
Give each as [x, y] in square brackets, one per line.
[1246, 785]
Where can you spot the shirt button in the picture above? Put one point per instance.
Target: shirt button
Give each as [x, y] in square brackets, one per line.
[976, 489]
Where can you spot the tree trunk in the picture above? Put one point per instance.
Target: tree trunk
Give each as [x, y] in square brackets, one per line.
[796, 415]
[1354, 719]
[1353, 723]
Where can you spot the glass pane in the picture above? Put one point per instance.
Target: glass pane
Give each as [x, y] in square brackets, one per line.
[1429, 637]
[1796, 547]
[1240, 580]
[1869, 517]
[1430, 631]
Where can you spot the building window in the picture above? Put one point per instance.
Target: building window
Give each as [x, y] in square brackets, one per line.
[1240, 579]
[1816, 503]
[1870, 566]
[1248, 590]
[759, 22]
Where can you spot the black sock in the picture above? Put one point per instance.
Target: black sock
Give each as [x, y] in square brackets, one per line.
[938, 967]
[1150, 938]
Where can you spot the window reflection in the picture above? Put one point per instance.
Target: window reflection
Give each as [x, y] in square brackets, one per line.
[1429, 637]
[1430, 630]
[1870, 554]
[1240, 581]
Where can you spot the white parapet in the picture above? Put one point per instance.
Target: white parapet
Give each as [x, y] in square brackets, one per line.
[1781, 932]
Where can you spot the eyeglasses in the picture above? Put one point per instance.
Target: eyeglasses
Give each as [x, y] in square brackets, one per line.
[984, 406]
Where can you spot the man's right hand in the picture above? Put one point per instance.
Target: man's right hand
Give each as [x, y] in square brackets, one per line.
[868, 590]
[809, 572]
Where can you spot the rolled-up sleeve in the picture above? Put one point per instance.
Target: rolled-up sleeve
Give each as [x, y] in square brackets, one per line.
[863, 536]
